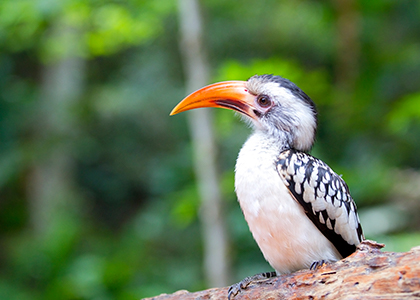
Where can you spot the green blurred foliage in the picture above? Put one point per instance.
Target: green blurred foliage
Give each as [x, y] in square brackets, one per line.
[126, 224]
[405, 114]
[93, 28]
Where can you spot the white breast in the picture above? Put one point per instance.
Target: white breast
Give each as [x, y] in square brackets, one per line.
[287, 238]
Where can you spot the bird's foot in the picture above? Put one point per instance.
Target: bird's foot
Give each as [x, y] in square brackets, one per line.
[318, 264]
[243, 284]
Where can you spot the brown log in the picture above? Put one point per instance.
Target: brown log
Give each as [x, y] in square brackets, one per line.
[368, 273]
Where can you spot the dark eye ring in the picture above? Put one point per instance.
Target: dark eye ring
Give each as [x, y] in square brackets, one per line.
[264, 101]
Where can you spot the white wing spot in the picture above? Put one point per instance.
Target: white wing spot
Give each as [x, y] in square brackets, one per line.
[319, 204]
[331, 191]
[338, 196]
[322, 187]
[329, 225]
[321, 218]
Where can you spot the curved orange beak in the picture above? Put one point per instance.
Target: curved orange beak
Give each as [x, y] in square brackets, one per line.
[228, 94]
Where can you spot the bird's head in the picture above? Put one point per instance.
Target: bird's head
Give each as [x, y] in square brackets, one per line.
[274, 105]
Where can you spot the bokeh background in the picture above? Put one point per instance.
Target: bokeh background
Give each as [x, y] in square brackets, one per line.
[100, 193]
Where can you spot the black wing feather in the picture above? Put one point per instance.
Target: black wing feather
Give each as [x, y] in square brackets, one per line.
[325, 198]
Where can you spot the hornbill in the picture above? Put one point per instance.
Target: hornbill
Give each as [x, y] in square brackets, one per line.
[298, 209]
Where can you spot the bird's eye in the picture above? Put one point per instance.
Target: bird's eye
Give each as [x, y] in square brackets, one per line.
[264, 101]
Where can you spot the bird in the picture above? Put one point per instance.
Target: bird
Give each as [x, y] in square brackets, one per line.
[299, 211]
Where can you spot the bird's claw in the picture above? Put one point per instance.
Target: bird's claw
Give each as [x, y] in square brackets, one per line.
[243, 284]
[234, 290]
[318, 264]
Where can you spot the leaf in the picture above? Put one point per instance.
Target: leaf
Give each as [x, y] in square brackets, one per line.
[405, 112]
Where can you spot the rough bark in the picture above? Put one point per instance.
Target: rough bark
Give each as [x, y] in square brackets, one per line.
[366, 274]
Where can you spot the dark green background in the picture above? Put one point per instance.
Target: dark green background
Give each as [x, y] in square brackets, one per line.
[97, 191]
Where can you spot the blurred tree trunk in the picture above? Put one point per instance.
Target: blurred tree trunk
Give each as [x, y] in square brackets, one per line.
[216, 258]
[347, 59]
[50, 190]
[348, 44]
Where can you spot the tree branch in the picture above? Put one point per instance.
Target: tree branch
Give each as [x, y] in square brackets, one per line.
[366, 274]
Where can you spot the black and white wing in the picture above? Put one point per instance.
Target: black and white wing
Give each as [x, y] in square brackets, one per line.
[325, 198]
